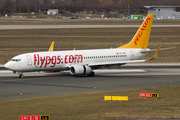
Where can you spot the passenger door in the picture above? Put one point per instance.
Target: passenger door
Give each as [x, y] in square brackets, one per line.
[29, 60]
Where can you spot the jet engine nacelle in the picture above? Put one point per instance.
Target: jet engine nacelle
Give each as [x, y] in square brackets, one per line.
[80, 70]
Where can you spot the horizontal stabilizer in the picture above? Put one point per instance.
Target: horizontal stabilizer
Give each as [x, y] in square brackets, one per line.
[145, 51]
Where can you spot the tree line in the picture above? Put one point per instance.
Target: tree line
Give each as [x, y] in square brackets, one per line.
[27, 6]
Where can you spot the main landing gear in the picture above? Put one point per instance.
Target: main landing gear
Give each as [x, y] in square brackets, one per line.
[21, 76]
[91, 74]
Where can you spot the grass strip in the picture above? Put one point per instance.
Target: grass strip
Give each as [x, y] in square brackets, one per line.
[14, 42]
[91, 105]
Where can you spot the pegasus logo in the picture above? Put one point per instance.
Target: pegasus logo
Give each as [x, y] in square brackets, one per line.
[142, 29]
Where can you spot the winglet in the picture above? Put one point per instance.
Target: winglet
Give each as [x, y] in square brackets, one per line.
[155, 55]
[51, 47]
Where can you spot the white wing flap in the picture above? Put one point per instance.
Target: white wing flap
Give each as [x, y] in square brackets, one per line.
[114, 63]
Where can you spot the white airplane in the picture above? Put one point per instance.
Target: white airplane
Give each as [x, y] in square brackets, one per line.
[83, 62]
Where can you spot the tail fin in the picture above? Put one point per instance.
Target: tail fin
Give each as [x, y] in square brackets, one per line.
[141, 38]
[51, 47]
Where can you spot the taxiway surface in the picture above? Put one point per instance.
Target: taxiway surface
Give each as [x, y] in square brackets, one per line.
[48, 84]
[11, 27]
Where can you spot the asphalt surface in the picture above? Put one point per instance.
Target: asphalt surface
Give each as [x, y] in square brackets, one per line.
[11, 27]
[136, 66]
[48, 84]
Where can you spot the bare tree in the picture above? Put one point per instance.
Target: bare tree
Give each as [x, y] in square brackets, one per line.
[46, 4]
[28, 4]
[8, 6]
[79, 5]
[19, 5]
[2, 6]
[128, 3]
[35, 5]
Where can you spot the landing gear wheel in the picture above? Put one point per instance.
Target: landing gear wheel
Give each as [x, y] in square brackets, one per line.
[91, 74]
[21, 76]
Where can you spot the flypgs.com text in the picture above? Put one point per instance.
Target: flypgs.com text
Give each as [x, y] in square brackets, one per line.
[54, 60]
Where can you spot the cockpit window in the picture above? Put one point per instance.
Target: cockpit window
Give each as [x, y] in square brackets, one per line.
[17, 60]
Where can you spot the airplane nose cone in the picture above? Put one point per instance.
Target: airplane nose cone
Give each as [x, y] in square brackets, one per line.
[7, 65]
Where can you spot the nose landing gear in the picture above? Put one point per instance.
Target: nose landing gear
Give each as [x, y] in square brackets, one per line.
[20, 74]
